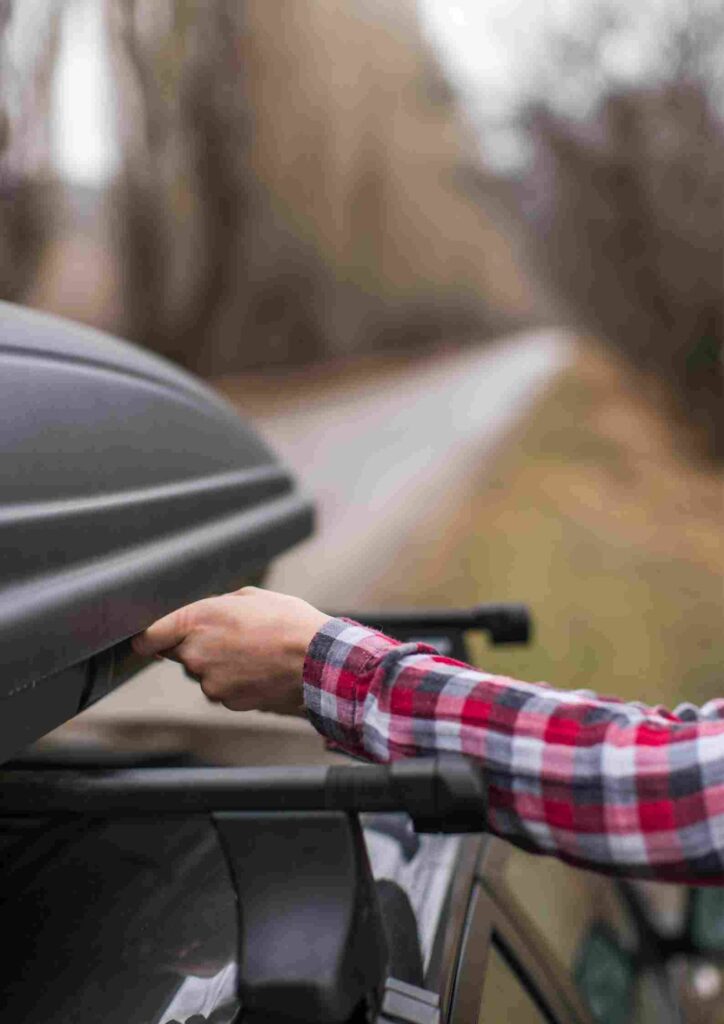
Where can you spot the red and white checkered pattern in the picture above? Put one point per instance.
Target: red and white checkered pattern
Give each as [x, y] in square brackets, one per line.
[601, 783]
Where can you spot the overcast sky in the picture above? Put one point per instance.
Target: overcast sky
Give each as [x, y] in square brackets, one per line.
[488, 48]
[83, 147]
[474, 37]
[495, 42]
[495, 51]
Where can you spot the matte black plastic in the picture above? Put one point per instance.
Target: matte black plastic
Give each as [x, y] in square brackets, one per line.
[505, 623]
[400, 925]
[312, 943]
[127, 488]
[440, 794]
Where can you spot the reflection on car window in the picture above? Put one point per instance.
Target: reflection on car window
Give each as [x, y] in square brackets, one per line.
[565, 902]
[151, 904]
[205, 999]
[580, 917]
[505, 999]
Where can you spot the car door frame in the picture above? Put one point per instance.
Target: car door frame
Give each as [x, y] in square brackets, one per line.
[492, 917]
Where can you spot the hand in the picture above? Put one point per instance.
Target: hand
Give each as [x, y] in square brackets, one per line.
[247, 648]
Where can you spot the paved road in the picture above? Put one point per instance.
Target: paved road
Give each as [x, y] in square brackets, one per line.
[381, 452]
[379, 455]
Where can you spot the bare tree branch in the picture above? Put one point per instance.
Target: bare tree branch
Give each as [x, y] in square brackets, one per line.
[625, 208]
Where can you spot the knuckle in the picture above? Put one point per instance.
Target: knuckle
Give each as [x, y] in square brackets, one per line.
[193, 664]
[236, 704]
[186, 619]
[209, 612]
[213, 689]
[196, 612]
[141, 646]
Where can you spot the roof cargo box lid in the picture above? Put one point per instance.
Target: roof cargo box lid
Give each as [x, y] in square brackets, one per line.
[127, 489]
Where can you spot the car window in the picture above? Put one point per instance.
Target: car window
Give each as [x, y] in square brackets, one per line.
[505, 997]
[564, 902]
[121, 921]
[581, 918]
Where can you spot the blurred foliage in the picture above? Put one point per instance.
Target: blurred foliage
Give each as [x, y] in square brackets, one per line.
[590, 515]
[624, 194]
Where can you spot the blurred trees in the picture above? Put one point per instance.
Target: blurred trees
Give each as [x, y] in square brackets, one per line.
[28, 45]
[358, 139]
[624, 195]
[292, 184]
[182, 197]
[288, 185]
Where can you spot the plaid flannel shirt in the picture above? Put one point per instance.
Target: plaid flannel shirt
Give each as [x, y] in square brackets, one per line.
[601, 783]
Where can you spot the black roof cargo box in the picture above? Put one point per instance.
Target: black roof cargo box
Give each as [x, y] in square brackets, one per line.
[127, 488]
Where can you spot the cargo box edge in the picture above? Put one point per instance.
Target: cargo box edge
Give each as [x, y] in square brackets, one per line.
[128, 488]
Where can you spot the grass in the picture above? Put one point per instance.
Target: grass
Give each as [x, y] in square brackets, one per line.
[590, 515]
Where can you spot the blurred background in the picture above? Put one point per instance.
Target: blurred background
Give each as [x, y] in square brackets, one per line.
[463, 264]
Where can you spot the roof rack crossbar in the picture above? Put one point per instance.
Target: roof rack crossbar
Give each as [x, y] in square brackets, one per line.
[504, 623]
[441, 794]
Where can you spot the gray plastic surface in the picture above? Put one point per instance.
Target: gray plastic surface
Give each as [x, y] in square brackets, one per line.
[127, 488]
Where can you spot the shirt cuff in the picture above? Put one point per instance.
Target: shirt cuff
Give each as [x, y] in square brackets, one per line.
[336, 679]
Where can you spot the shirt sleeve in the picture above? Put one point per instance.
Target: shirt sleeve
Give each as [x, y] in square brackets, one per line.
[599, 782]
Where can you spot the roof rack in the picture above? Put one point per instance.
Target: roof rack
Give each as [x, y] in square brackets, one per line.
[312, 943]
[441, 794]
[504, 623]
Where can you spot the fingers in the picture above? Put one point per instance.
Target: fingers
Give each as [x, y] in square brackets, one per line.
[245, 649]
[161, 636]
[238, 704]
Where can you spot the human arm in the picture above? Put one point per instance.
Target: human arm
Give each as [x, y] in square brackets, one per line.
[600, 783]
[596, 781]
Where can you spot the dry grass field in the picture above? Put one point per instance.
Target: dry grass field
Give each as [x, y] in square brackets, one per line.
[590, 515]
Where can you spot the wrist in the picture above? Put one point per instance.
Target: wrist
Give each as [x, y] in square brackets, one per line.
[298, 639]
[337, 680]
